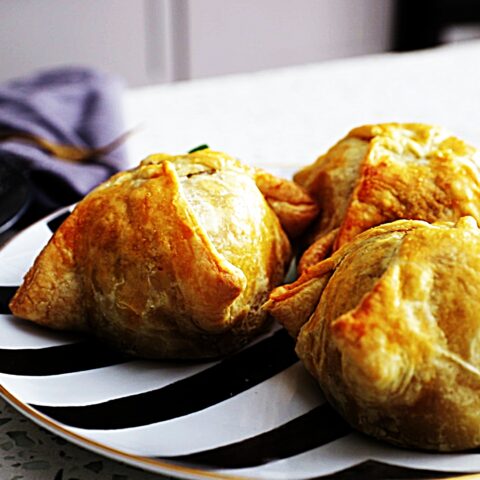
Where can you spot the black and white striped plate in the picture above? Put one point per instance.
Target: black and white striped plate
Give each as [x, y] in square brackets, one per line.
[255, 414]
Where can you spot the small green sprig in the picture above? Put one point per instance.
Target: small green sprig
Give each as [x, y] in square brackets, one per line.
[200, 147]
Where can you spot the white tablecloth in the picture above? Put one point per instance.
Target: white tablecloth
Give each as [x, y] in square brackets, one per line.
[288, 117]
[279, 119]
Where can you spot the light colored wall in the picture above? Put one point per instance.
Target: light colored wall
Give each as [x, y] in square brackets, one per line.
[150, 41]
[229, 36]
[103, 33]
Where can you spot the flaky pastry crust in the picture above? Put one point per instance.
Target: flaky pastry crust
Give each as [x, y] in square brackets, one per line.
[381, 173]
[389, 325]
[172, 259]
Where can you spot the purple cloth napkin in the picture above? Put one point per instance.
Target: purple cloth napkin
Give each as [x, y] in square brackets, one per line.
[67, 106]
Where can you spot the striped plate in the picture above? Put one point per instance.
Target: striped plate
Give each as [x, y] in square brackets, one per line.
[255, 414]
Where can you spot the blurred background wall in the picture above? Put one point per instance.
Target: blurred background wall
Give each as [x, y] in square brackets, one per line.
[151, 41]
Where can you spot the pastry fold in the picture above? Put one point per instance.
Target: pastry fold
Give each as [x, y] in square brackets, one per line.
[172, 259]
[380, 173]
[389, 325]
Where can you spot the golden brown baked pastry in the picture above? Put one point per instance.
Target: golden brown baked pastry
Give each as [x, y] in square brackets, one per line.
[389, 325]
[380, 173]
[171, 259]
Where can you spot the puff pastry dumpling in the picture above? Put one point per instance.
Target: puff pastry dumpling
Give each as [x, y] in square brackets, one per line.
[380, 173]
[389, 325]
[172, 259]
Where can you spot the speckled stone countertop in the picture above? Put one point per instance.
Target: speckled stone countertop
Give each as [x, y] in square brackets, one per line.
[279, 119]
[29, 452]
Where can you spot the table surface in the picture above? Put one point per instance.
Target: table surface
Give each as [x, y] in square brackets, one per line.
[278, 119]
